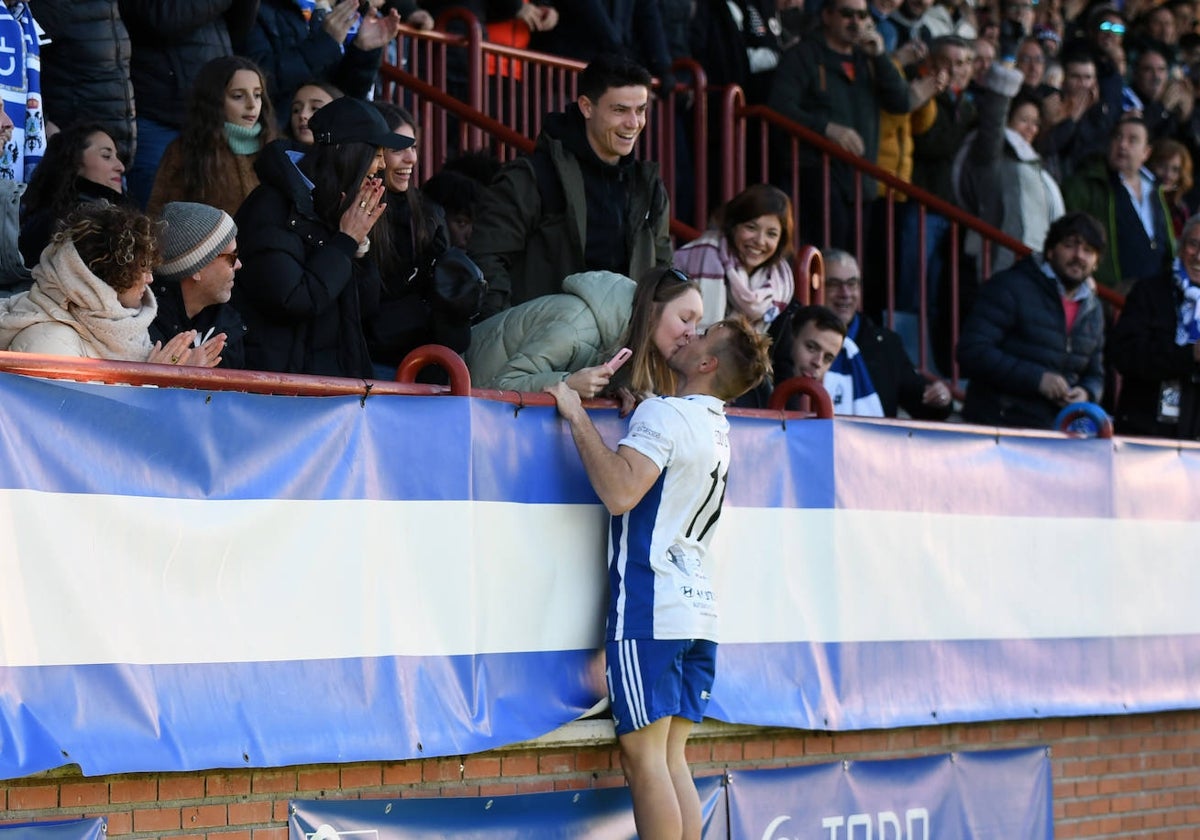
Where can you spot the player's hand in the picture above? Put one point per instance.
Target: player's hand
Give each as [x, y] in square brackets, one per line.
[566, 398]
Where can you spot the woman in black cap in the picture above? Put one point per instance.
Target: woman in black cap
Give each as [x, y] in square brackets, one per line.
[304, 238]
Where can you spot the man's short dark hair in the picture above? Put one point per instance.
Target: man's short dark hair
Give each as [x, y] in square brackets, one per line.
[1129, 119]
[1077, 223]
[1152, 47]
[945, 42]
[824, 317]
[612, 71]
[1079, 54]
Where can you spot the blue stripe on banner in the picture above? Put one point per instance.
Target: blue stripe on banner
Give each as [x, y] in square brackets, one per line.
[129, 718]
[876, 685]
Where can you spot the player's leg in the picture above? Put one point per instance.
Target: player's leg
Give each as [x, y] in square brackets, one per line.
[681, 778]
[655, 804]
[644, 680]
[698, 670]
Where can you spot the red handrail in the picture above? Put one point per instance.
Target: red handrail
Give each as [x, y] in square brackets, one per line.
[488, 125]
[214, 379]
[738, 113]
[805, 387]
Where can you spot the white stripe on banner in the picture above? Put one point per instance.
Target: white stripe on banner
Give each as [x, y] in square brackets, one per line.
[101, 579]
[105, 579]
[853, 576]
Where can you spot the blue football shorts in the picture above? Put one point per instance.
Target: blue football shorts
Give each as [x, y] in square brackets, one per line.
[649, 679]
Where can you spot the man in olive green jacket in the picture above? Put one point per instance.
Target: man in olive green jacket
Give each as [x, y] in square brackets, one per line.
[580, 202]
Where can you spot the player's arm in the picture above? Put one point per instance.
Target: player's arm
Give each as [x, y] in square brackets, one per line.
[620, 478]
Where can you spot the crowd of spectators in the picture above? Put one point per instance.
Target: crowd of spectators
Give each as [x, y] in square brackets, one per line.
[259, 110]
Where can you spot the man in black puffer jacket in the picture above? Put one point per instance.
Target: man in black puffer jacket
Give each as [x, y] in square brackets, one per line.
[85, 67]
[171, 42]
[1033, 342]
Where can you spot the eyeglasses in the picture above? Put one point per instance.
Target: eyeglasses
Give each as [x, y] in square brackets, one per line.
[1114, 28]
[1192, 244]
[850, 14]
[832, 283]
[231, 257]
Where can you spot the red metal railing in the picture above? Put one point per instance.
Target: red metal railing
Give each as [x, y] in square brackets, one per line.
[531, 84]
[304, 385]
[522, 87]
[736, 117]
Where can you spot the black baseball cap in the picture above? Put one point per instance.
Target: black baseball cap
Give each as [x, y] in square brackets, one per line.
[350, 120]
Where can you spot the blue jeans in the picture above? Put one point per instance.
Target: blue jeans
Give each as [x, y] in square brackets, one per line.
[153, 139]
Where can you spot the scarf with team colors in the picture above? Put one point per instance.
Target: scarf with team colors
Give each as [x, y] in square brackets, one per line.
[21, 91]
[849, 383]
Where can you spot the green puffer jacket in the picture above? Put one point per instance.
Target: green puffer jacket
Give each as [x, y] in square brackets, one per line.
[538, 343]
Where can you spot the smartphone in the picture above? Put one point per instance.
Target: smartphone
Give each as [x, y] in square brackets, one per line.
[616, 361]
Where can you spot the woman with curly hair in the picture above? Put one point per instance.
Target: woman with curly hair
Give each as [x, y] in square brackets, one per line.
[742, 264]
[90, 295]
[229, 120]
[82, 165]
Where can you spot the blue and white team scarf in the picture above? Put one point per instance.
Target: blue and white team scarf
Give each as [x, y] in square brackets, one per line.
[849, 382]
[21, 91]
[1187, 325]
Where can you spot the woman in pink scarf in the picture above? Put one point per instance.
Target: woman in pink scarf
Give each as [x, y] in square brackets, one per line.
[742, 265]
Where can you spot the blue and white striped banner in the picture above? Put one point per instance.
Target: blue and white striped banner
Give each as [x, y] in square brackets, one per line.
[194, 579]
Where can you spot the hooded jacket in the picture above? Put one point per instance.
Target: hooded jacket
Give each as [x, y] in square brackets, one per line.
[540, 342]
[301, 291]
[531, 230]
[70, 311]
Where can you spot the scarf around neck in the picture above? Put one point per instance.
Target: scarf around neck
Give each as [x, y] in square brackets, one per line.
[243, 140]
[849, 382]
[1187, 324]
[65, 291]
[21, 93]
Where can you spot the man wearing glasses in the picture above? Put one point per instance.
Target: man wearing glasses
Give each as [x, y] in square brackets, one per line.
[872, 374]
[193, 283]
[835, 84]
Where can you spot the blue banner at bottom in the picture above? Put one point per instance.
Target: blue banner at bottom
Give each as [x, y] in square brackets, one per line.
[93, 829]
[594, 814]
[960, 796]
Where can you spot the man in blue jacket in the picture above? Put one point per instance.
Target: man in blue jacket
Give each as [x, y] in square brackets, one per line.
[1034, 340]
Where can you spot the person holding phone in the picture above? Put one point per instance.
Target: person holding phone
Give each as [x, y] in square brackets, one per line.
[664, 486]
[574, 336]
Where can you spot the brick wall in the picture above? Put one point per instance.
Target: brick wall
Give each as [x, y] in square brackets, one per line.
[1134, 776]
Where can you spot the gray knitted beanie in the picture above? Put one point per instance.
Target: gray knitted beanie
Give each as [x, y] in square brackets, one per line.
[194, 235]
